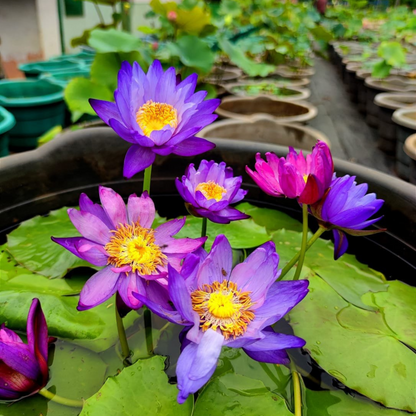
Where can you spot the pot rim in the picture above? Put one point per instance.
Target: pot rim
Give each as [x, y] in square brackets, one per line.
[410, 146]
[312, 110]
[8, 120]
[39, 66]
[383, 100]
[400, 119]
[374, 83]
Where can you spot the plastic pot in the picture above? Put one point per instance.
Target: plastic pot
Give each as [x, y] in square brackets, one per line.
[37, 106]
[7, 122]
[410, 149]
[244, 108]
[388, 103]
[405, 119]
[265, 130]
[34, 69]
[63, 78]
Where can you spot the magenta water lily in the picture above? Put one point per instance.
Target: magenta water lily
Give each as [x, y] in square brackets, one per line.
[135, 256]
[157, 115]
[295, 176]
[346, 208]
[221, 306]
[24, 367]
[209, 190]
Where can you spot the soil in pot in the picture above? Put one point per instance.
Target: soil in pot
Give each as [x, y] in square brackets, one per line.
[405, 120]
[388, 103]
[265, 130]
[37, 106]
[7, 122]
[284, 111]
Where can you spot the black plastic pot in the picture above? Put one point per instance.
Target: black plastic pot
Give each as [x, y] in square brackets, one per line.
[53, 176]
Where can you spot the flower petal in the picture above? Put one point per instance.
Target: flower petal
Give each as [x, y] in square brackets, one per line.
[180, 295]
[106, 110]
[137, 159]
[141, 209]
[340, 243]
[113, 205]
[193, 146]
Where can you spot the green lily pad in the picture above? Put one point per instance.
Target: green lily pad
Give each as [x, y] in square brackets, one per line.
[337, 403]
[347, 276]
[398, 307]
[240, 234]
[236, 395]
[141, 389]
[32, 247]
[356, 347]
[94, 329]
[272, 219]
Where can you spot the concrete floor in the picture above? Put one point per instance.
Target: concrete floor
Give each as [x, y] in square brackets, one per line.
[352, 139]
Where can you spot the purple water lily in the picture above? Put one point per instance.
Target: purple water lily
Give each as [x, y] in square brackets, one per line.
[294, 176]
[135, 256]
[209, 190]
[24, 367]
[156, 115]
[223, 307]
[346, 208]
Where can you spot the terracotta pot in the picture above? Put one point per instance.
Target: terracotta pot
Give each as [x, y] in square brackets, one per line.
[294, 73]
[410, 150]
[290, 93]
[265, 130]
[361, 76]
[244, 108]
[405, 119]
[220, 75]
[388, 103]
[287, 82]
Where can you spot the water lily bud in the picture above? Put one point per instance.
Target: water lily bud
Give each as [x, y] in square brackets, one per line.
[172, 15]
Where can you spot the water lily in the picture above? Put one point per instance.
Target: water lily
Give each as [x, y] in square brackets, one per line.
[134, 255]
[295, 176]
[24, 367]
[156, 114]
[346, 208]
[209, 190]
[224, 307]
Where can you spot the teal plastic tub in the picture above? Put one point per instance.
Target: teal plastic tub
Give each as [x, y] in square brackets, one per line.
[37, 106]
[35, 69]
[7, 122]
[82, 57]
[63, 78]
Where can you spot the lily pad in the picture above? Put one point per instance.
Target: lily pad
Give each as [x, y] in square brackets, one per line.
[337, 403]
[356, 347]
[347, 276]
[141, 389]
[236, 395]
[240, 234]
[272, 219]
[32, 247]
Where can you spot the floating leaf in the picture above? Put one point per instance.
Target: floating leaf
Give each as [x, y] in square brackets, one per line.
[141, 389]
[240, 234]
[236, 395]
[356, 347]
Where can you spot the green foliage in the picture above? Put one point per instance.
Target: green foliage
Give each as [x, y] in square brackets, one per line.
[393, 53]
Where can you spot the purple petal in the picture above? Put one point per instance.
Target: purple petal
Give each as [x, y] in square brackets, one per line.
[137, 159]
[182, 245]
[90, 226]
[180, 295]
[274, 341]
[127, 286]
[141, 209]
[124, 132]
[98, 288]
[85, 204]
[193, 146]
[106, 110]
[20, 358]
[113, 205]
[165, 231]
[272, 357]
[340, 243]
[160, 137]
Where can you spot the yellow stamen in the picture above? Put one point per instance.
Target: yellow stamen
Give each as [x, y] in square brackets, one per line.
[134, 246]
[305, 178]
[211, 190]
[223, 306]
[154, 116]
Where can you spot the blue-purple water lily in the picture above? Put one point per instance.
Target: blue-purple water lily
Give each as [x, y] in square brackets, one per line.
[157, 115]
[220, 306]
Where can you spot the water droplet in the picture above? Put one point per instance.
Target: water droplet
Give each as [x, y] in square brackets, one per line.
[336, 307]
[338, 375]
[318, 342]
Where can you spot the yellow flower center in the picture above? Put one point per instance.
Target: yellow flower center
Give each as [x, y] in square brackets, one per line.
[154, 116]
[211, 190]
[134, 246]
[305, 178]
[223, 306]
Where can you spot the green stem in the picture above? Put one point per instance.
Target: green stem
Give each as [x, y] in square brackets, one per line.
[147, 316]
[297, 395]
[125, 350]
[304, 242]
[61, 400]
[292, 262]
[146, 180]
[204, 229]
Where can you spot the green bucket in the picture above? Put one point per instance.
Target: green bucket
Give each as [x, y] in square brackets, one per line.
[37, 106]
[7, 122]
[63, 78]
[83, 57]
[34, 69]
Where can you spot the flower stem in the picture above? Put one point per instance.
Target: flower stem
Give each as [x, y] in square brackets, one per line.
[297, 395]
[292, 262]
[304, 242]
[125, 350]
[204, 229]
[147, 316]
[146, 180]
[61, 400]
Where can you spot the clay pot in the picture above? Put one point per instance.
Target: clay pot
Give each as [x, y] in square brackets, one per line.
[410, 150]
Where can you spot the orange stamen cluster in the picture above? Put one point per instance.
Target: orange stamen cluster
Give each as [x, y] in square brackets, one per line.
[154, 116]
[211, 190]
